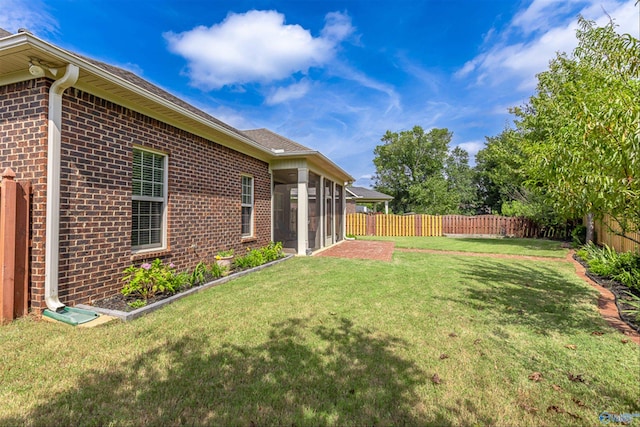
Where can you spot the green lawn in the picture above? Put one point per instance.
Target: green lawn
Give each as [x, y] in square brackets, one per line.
[322, 341]
[509, 246]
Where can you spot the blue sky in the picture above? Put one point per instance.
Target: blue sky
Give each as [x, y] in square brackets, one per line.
[331, 75]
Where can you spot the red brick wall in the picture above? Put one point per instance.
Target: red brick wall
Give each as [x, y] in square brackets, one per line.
[351, 206]
[95, 207]
[204, 196]
[23, 147]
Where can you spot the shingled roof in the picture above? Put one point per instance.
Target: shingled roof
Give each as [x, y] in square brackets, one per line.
[144, 84]
[366, 194]
[273, 141]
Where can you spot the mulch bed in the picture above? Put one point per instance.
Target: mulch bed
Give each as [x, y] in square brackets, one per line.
[120, 302]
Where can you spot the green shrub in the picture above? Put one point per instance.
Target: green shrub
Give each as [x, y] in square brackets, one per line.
[633, 301]
[606, 262]
[627, 270]
[257, 257]
[198, 275]
[217, 271]
[272, 252]
[253, 258]
[579, 235]
[151, 278]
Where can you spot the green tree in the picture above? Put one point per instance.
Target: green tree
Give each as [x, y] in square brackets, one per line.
[461, 182]
[581, 129]
[501, 174]
[499, 170]
[412, 166]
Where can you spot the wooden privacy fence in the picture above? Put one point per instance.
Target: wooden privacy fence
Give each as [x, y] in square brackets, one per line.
[14, 247]
[488, 225]
[605, 235]
[434, 225]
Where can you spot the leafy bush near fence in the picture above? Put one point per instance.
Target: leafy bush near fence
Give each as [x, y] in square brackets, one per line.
[606, 262]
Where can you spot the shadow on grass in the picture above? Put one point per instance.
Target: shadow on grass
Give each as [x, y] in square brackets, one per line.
[534, 295]
[307, 373]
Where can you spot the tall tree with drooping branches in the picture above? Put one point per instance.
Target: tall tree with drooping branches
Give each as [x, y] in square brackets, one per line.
[581, 129]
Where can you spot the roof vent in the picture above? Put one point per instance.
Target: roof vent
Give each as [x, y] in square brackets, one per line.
[277, 150]
[24, 30]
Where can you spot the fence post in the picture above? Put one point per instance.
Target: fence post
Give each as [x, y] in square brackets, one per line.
[7, 244]
[21, 284]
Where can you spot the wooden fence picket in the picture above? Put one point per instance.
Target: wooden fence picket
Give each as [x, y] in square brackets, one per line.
[360, 224]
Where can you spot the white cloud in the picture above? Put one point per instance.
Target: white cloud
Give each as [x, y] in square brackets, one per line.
[518, 61]
[284, 94]
[256, 46]
[29, 14]
[337, 27]
[541, 15]
[349, 73]
[472, 147]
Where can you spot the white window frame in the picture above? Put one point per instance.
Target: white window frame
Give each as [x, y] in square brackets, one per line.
[250, 205]
[162, 245]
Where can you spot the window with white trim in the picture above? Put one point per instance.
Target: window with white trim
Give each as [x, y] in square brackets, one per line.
[149, 200]
[247, 206]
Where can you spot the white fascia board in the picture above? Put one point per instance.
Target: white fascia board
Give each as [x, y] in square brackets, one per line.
[320, 160]
[15, 78]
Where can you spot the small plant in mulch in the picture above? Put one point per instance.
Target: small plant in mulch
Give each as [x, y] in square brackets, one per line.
[138, 303]
[618, 272]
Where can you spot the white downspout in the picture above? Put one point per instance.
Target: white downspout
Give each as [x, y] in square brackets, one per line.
[52, 244]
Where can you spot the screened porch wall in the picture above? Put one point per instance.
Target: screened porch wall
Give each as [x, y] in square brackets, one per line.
[285, 208]
[315, 215]
[316, 220]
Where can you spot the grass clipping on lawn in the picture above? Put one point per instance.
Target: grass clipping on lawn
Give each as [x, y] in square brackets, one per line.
[319, 341]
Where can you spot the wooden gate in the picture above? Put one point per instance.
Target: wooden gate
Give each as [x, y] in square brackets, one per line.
[14, 247]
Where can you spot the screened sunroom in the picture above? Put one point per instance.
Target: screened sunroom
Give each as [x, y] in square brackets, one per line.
[308, 210]
[308, 196]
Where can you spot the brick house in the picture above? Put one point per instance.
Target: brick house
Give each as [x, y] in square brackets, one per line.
[123, 172]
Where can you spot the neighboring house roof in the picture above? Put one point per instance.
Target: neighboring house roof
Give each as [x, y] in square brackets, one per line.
[366, 195]
[129, 90]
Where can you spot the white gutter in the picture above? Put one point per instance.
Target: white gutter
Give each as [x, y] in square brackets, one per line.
[52, 243]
